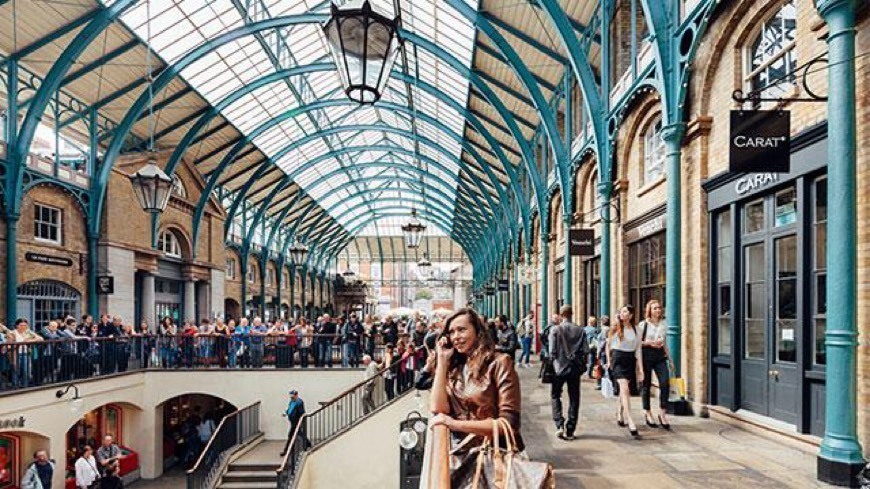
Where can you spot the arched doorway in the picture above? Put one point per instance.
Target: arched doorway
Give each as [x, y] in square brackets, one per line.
[16, 453]
[181, 417]
[40, 301]
[109, 419]
[232, 309]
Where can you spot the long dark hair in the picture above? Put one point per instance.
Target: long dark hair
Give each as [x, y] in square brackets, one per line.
[483, 353]
[618, 328]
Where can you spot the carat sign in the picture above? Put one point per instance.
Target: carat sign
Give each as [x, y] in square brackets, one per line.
[760, 141]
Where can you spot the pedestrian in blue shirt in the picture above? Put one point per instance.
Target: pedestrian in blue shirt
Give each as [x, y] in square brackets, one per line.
[294, 412]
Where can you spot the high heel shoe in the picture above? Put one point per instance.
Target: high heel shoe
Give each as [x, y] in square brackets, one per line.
[634, 432]
[619, 419]
[651, 424]
[666, 426]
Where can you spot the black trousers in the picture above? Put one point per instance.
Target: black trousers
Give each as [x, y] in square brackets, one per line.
[655, 361]
[390, 387]
[572, 382]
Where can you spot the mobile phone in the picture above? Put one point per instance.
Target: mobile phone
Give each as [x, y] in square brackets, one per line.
[449, 343]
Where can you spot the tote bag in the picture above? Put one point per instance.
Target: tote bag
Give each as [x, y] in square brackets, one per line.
[607, 389]
[492, 467]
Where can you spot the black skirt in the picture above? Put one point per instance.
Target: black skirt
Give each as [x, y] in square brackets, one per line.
[623, 364]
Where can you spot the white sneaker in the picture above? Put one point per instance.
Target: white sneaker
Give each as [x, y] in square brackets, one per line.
[528, 365]
[560, 431]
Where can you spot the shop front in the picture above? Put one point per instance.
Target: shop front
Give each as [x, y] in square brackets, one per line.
[645, 252]
[767, 289]
[90, 430]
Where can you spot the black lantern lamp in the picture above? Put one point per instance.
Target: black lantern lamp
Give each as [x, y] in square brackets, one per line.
[152, 186]
[298, 252]
[413, 231]
[364, 43]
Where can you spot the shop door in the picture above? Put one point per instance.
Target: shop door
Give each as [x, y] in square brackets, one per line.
[769, 376]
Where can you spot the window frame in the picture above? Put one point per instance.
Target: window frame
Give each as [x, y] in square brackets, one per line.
[231, 268]
[652, 137]
[38, 223]
[788, 48]
[162, 244]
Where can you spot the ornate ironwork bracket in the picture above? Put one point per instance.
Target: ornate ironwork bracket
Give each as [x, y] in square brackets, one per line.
[755, 95]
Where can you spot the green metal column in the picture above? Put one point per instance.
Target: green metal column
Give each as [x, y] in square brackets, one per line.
[12, 215]
[840, 457]
[515, 311]
[11, 268]
[93, 260]
[279, 280]
[264, 272]
[544, 281]
[302, 274]
[244, 299]
[568, 193]
[605, 189]
[673, 139]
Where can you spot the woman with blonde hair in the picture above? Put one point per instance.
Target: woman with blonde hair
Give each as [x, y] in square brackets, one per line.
[653, 333]
[624, 359]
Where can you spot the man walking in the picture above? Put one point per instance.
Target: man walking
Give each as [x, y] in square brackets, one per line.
[568, 349]
[295, 411]
[368, 400]
[39, 473]
[526, 332]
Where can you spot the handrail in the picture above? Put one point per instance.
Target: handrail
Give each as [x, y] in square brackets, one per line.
[322, 424]
[439, 458]
[234, 429]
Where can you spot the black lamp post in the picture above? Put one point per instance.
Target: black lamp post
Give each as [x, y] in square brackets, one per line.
[364, 43]
[152, 187]
[413, 231]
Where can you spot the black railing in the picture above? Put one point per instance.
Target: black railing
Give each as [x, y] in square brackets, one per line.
[341, 413]
[43, 363]
[235, 429]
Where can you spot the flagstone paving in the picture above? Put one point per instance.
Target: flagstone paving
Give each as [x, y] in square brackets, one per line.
[698, 453]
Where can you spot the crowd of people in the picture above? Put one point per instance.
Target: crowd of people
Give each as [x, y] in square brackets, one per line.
[67, 349]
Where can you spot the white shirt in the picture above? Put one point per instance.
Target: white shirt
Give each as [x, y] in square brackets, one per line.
[86, 471]
[628, 343]
[653, 332]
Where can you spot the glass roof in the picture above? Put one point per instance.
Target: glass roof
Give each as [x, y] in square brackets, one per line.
[177, 26]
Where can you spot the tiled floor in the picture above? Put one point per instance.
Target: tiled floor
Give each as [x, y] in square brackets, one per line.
[698, 453]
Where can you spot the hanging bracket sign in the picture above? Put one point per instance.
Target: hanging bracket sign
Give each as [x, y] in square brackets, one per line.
[760, 141]
[582, 242]
[503, 285]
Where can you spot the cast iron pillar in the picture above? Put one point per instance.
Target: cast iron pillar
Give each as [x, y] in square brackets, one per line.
[840, 457]
[672, 135]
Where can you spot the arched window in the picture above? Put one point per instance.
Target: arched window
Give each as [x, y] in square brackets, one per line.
[231, 268]
[252, 273]
[169, 244]
[178, 189]
[653, 153]
[772, 56]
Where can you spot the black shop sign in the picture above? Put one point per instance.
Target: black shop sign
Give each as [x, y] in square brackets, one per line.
[760, 141]
[582, 242]
[48, 259]
[502, 285]
[105, 285]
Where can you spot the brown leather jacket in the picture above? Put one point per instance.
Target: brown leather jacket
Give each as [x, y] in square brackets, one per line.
[495, 395]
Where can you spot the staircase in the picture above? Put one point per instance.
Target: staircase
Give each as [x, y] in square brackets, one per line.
[240, 475]
[255, 468]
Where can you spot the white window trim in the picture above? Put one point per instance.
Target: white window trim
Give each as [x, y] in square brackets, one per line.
[37, 221]
[790, 47]
[231, 268]
[172, 239]
[653, 148]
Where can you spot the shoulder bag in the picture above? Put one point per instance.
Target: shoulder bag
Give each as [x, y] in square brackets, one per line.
[491, 467]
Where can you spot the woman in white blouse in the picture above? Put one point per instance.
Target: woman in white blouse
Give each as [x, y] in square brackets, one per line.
[86, 469]
[624, 362]
[653, 333]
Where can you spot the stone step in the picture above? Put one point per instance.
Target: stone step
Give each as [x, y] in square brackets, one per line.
[247, 485]
[252, 467]
[251, 476]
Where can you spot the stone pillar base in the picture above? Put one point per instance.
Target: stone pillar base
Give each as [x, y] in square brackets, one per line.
[838, 473]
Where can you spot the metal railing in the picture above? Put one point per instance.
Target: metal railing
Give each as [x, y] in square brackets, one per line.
[341, 413]
[44, 363]
[234, 429]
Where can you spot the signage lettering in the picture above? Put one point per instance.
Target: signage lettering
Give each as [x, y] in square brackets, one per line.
[651, 227]
[753, 182]
[12, 423]
[582, 242]
[502, 285]
[48, 259]
[760, 141]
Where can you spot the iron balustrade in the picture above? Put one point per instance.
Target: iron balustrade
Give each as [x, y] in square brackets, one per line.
[338, 415]
[235, 429]
[50, 362]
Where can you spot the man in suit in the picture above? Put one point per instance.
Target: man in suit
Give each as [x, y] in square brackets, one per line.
[294, 412]
[568, 348]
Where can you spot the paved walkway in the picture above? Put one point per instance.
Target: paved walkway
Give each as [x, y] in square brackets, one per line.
[698, 453]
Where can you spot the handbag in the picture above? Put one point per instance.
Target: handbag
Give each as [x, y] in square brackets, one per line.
[491, 467]
[677, 389]
[607, 388]
[548, 371]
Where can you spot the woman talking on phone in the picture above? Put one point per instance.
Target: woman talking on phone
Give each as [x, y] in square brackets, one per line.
[473, 385]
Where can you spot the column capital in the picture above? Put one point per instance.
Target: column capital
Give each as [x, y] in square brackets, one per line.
[674, 132]
[826, 7]
[605, 188]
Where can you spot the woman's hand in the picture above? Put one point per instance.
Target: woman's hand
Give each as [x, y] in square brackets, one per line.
[442, 420]
[639, 376]
[444, 353]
